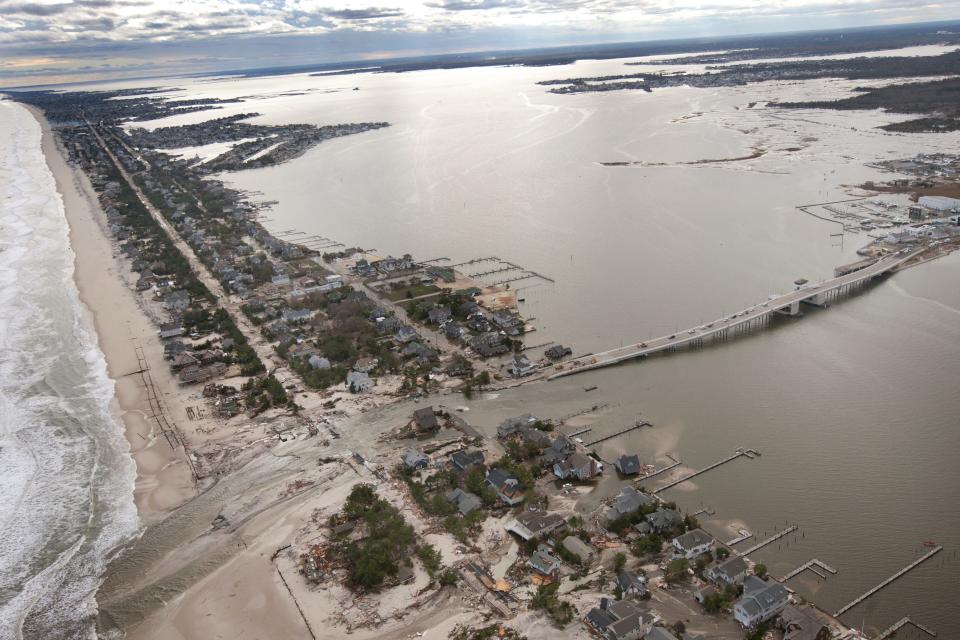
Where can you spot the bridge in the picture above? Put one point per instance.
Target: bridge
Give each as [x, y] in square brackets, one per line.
[789, 304]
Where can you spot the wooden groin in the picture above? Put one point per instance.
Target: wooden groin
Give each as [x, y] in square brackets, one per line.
[916, 563]
[739, 453]
[639, 425]
[771, 539]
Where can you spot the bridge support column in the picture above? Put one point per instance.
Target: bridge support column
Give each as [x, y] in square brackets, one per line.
[792, 310]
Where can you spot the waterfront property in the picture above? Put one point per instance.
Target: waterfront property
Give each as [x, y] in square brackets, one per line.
[693, 544]
[760, 602]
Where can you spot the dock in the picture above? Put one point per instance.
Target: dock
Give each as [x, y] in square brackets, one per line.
[579, 432]
[743, 321]
[902, 622]
[770, 540]
[638, 425]
[809, 566]
[739, 453]
[676, 463]
[913, 565]
[744, 536]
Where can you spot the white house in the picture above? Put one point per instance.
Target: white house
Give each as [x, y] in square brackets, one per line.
[761, 601]
[693, 544]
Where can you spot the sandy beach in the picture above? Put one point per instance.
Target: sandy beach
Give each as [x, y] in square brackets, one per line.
[163, 480]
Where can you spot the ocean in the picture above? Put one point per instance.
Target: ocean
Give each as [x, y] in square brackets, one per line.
[66, 496]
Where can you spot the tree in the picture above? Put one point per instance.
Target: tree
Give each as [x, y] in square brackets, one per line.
[483, 378]
[723, 553]
[619, 561]
[677, 571]
[760, 570]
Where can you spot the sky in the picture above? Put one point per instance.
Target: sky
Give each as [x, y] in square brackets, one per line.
[56, 41]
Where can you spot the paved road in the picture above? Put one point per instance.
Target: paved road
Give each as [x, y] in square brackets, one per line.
[264, 350]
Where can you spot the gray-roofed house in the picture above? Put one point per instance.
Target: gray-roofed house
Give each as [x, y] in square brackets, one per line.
[693, 544]
[599, 618]
[521, 367]
[579, 548]
[631, 623]
[631, 583]
[511, 426]
[176, 300]
[761, 601]
[406, 334]
[465, 501]
[425, 419]
[730, 572]
[358, 382]
[628, 465]
[659, 633]
[577, 466]
[533, 524]
[664, 520]
[318, 362]
[463, 460]
[544, 562]
[802, 623]
[438, 315]
[415, 459]
[627, 502]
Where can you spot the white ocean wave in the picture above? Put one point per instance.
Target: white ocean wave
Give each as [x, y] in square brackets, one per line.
[66, 499]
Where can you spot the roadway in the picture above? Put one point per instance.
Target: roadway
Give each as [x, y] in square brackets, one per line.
[740, 319]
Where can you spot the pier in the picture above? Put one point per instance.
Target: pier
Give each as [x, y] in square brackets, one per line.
[916, 563]
[743, 321]
[747, 453]
[676, 463]
[744, 536]
[639, 425]
[771, 539]
[899, 624]
[810, 566]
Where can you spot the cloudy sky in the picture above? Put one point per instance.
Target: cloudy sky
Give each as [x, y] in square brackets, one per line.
[52, 41]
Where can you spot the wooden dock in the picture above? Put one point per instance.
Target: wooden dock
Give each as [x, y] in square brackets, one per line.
[810, 566]
[771, 539]
[902, 622]
[676, 463]
[639, 425]
[744, 536]
[739, 453]
[916, 563]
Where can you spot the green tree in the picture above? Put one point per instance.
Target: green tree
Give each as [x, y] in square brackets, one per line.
[760, 570]
[619, 561]
[677, 571]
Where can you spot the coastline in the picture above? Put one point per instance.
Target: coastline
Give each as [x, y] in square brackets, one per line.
[163, 480]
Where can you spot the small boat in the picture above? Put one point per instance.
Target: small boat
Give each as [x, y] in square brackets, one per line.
[929, 543]
[590, 388]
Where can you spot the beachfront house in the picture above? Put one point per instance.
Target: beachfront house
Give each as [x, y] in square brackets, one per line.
[579, 548]
[521, 367]
[628, 465]
[506, 485]
[465, 502]
[425, 419]
[631, 583]
[545, 563]
[730, 572]
[415, 459]
[577, 467]
[534, 524]
[664, 520]
[358, 382]
[628, 501]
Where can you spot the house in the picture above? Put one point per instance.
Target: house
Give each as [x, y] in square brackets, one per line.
[545, 563]
[464, 460]
[489, 344]
[415, 460]
[318, 362]
[425, 419]
[627, 502]
[664, 520]
[184, 359]
[533, 524]
[761, 601]
[802, 623]
[579, 548]
[599, 619]
[465, 502]
[535, 437]
[358, 382]
[176, 301]
[406, 334]
[628, 465]
[421, 352]
[171, 330]
[577, 467]
[511, 426]
[295, 316]
[631, 583]
[453, 330]
[693, 544]
[659, 633]
[730, 572]
[521, 367]
[507, 486]
[626, 620]
[557, 352]
[560, 448]
[438, 315]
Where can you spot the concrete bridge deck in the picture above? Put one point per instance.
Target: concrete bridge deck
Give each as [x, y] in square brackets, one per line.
[788, 304]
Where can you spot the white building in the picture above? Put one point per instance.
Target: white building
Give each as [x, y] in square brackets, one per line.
[693, 544]
[939, 203]
[761, 601]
